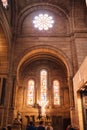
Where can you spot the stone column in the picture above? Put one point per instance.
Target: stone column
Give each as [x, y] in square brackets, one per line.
[9, 85]
[35, 95]
[71, 97]
[8, 96]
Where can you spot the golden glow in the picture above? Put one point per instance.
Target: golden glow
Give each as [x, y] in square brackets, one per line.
[43, 22]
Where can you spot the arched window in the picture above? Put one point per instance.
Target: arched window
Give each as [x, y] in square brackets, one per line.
[56, 91]
[43, 85]
[30, 92]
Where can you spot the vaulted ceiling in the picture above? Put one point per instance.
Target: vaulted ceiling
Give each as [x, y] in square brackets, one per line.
[20, 10]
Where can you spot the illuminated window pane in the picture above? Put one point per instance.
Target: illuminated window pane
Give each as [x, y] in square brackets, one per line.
[43, 22]
[30, 92]
[56, 90]
[43, 84]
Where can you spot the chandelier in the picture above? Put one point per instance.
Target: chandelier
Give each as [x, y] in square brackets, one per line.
[43, 21]
[5, 3]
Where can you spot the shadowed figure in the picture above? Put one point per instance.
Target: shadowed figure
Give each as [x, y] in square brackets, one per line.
[31, 126]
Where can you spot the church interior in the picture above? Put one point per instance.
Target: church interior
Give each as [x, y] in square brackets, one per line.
[43, 63]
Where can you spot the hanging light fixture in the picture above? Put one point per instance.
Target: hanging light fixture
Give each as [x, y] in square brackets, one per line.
[5, 3]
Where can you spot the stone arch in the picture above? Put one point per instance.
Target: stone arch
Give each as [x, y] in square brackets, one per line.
[46, 6]
[5, 26]
[7, 37]
[48, 51]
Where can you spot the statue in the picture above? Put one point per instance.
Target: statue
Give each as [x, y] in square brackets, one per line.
[19, 118]
[18, 115]
[42, 106]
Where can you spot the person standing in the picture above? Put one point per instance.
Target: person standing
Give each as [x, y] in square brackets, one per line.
[41, 126]
[31, 126]
[49, 127]
[69, 127]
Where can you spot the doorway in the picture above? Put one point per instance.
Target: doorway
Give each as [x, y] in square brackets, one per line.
[84, 106]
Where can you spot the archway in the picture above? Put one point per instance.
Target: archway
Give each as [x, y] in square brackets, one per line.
[57, 68]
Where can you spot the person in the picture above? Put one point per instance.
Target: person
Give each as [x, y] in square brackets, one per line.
[41, 126]
[19, 117]
[4, 128]
[69, 127]
[49, 127]
[9, 127]
[31, 126]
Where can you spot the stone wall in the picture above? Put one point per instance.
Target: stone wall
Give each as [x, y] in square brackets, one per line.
[79, 81]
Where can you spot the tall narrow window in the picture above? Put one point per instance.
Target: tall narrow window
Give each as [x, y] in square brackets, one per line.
[30, 93]
[56, 90]
[43, 84]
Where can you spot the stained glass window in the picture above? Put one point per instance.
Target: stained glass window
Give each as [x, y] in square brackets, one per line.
[56, 90]
[30, 92]
[43, 84]
[43, 22]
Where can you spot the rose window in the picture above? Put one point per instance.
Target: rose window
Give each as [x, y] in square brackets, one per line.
[43, 21]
